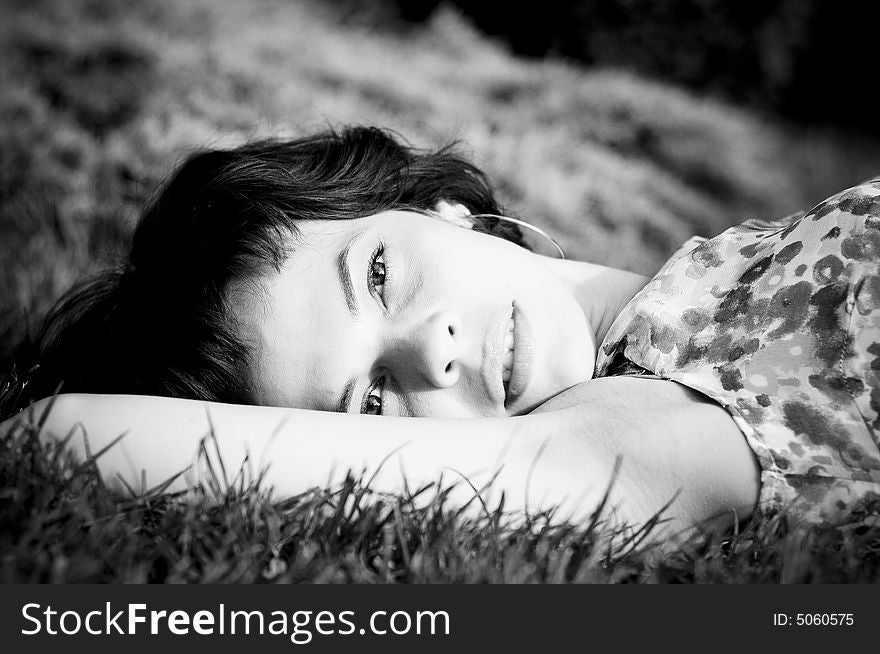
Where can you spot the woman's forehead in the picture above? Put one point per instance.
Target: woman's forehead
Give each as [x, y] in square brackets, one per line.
[303, 346]
[300, 331]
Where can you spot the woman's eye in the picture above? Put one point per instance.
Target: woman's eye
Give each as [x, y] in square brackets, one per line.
[372, 404]
[376, 275]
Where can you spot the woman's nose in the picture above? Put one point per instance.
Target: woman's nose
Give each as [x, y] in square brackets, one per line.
[428, 351]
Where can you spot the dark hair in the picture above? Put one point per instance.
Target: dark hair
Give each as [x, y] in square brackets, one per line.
[159, 323]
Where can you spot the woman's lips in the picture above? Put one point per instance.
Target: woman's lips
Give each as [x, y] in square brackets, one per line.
[509, 361]
[520, 359]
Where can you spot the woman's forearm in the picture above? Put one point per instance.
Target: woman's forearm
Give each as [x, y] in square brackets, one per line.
[299, 450]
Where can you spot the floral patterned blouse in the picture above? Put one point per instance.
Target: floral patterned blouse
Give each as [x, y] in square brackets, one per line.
[778, 322]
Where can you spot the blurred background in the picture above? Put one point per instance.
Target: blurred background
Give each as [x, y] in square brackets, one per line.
[622, 127]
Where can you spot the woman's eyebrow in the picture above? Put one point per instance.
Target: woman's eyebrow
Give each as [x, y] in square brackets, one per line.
[345, 399]
[344, 271]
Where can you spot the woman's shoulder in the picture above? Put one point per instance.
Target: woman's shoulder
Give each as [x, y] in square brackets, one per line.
[849, 220]
[860, 200]
[757, 296]
[754, 272]
[781, 325]
[858, 205]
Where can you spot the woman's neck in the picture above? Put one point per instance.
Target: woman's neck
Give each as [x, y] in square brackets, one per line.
[601, 291]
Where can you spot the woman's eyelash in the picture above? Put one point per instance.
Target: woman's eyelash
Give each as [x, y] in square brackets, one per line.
[372, 403]
[377, 272]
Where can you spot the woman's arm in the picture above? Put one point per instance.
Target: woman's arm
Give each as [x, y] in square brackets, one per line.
[302, 449]
[667, 441]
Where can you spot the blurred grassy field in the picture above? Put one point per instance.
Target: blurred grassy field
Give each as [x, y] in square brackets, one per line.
[99, 99]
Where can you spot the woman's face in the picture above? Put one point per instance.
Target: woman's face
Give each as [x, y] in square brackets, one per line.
[406, 314]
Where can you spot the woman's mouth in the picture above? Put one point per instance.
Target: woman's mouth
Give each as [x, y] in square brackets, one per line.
[508, 356]
[516, 359]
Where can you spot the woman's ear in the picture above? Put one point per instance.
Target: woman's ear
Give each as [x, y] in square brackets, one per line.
[457, 214]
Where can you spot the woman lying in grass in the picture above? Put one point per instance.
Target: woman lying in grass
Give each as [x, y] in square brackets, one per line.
[284, 294]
